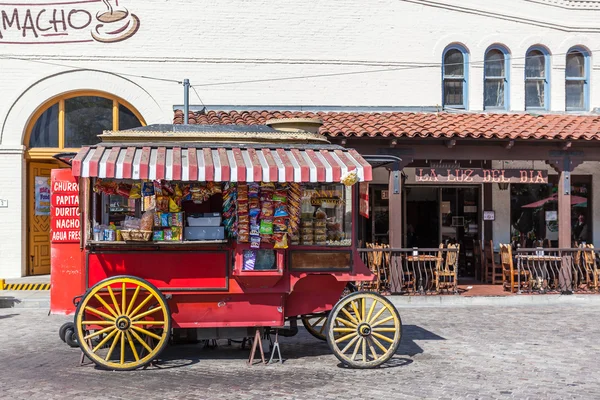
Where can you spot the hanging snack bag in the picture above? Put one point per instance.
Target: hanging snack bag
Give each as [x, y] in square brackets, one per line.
[173, 207]
[162, 204]
[157, 188]
[255, 242]
[266, 227]
[281, 242]
[165, 219]
[280, 225]
[157, 221]
[136, 191]
[168, 233]
[167, 188]
[147, 189]
[266, 210]
[281, 211]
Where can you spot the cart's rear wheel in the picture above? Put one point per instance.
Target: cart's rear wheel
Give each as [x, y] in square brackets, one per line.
[130, 315]
[316, 325]
[370, 335]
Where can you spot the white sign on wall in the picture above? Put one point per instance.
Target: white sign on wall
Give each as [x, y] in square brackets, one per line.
[65, 21]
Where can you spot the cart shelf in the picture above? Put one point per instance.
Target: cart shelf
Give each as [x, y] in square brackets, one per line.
[94, 243]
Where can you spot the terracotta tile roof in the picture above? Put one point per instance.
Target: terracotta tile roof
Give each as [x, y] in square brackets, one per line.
[422, 125]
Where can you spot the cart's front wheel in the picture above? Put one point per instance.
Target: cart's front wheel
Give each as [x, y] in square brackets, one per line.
[368, 330]
[131, 318]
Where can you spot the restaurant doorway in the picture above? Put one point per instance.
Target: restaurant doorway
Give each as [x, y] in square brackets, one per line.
[446, 215]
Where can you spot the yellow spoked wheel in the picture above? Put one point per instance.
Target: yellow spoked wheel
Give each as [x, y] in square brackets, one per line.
[122, 323]
[369, 335]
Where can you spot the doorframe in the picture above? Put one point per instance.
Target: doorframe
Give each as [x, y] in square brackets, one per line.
[29, 204]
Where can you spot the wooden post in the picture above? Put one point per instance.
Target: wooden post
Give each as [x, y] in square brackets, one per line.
[564, 209]
[488, 226]
[395, 233]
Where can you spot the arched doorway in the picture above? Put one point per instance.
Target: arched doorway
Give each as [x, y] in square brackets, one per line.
[63, 124]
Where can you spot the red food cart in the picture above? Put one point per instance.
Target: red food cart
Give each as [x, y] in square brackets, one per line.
[222, 230]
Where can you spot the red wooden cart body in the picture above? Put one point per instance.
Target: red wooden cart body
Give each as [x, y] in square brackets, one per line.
[204, 283]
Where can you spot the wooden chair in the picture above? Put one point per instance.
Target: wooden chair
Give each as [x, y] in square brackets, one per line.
[446, 274]
[373, 259]
[590, 268]
[510, 275]
[493, 271]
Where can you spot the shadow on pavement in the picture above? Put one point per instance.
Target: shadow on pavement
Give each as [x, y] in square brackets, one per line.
[410, 333]
[8, 316]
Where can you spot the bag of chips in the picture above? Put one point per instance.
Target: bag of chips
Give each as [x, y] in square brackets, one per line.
[147, 220]
[255, 242]
[280, 242]
[136, 191]
[148, 189]
[266, 227]
[266, 210]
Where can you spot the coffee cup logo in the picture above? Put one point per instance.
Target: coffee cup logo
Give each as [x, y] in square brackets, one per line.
[115, 25]
[66, 21]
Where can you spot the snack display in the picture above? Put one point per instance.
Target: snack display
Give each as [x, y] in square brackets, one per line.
[279, 214]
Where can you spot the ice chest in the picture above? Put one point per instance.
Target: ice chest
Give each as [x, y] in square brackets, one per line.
[204, 220]
[204, 233]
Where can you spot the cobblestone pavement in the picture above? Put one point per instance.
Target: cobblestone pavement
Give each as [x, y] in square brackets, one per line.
[540, 352]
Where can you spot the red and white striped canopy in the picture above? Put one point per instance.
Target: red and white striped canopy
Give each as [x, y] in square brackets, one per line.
[220, 164]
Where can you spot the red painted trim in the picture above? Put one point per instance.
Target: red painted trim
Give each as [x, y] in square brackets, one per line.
[342, 155]
[176, 163]
[209, 165]
[144, 162]
[273, 173]
[241, 165]
[111, 162]
[287, 164]
[161, 157]
[78, 160]
[225, 167]
[337, 170]
[193, 164]
[320, 167]
[256, 165]
[304, 168]
[95, 161]
[128, 162]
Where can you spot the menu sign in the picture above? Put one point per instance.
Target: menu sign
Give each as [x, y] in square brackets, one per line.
[65, 215]
[480, 175]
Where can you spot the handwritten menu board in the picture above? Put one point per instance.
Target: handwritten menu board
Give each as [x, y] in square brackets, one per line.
[64, 211]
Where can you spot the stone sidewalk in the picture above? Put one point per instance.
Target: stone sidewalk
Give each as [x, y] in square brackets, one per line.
[535, 352]
[41, 299]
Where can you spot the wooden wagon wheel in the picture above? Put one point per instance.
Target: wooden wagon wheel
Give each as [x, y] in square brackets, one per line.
[370, 335]
[131, 319]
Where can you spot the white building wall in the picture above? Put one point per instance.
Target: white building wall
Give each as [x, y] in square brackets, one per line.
[237, 53]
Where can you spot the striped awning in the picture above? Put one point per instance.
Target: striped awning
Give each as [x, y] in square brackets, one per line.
[220, 164]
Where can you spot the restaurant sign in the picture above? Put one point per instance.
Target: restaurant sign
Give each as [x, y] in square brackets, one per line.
[480, 175]
[66, 21]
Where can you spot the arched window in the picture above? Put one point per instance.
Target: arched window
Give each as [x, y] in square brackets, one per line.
[537, 79]
[577, 76]
[73, 120]
[455, 77]
[496, 76]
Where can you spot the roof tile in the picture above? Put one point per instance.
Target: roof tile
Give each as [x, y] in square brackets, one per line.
[408, 124]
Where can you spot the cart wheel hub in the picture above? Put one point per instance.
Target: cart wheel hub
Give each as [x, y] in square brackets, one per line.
[364, 329]
[123, 323]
